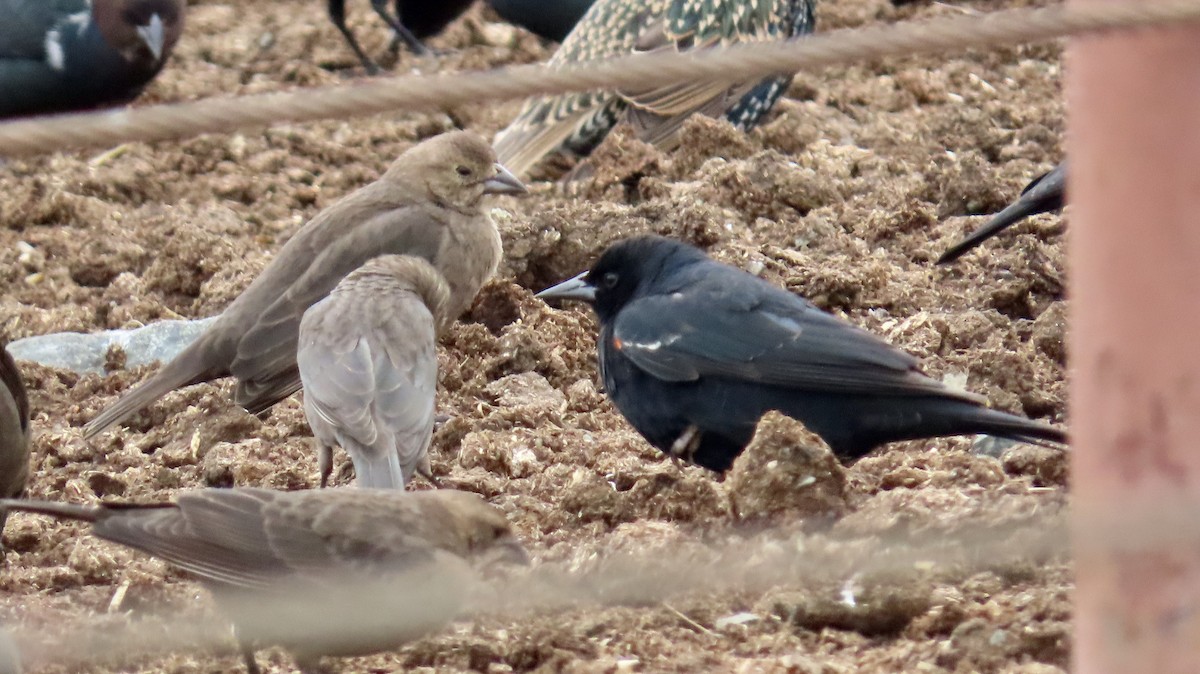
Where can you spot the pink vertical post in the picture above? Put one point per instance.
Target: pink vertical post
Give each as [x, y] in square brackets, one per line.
[1134, 269]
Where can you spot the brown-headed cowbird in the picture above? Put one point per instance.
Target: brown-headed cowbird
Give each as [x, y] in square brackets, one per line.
[1043, 194]
[337, 572]
[14, 432]
[61, 55]
[415, 20]
[694, 352]
[576, 123]
[368, 361]
[428, 204]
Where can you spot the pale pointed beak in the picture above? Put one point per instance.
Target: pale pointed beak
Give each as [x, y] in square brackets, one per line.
[575, 289]
[154, 35]
[504, 182]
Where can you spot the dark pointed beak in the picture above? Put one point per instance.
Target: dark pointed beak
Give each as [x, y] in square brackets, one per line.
[154, 35]
[504, 182]
[575, 289]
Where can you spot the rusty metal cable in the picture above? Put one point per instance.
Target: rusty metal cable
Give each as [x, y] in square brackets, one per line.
[417, 92]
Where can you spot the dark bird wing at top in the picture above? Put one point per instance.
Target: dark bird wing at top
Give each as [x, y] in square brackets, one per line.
[414, 21]
[368, 361]
[576, 123]
[330, 572]
[693, 353]
[428, 204]
[550, 20]
[62, 55]
[1043, 194]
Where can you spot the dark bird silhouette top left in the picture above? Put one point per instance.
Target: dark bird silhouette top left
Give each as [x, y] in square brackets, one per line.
[64, 55]
[428, 204]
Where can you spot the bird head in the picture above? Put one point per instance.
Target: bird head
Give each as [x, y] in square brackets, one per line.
[143, 31]
[474, 529]
[415, 273]
[456, 169]
[624, 270]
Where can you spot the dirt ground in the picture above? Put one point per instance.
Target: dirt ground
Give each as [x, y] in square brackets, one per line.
[846, 194]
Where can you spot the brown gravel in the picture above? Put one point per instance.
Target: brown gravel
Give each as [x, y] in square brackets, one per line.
[846, 194]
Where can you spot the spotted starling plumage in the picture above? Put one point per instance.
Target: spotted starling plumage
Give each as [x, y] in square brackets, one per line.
[576, 123]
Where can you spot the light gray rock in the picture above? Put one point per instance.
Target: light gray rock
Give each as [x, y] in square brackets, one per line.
[85, 353]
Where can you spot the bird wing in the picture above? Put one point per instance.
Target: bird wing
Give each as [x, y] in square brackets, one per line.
[728, 328]
[369, 369]
[217, 535]
[656, 114]
[26, 22]
[265, 363]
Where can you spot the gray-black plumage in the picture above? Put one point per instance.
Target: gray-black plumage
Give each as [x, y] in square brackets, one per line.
[693, 352]
[63, 55]
[576, 123]
[1043, 194]
[551, 19]
[414, 21]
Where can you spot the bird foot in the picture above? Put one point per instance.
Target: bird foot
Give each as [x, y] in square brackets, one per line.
[686, 444]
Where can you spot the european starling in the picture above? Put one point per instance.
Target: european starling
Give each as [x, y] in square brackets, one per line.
[62, 55]
[576, 123]
[368, 361]
[14, 432]
[428, 204]
[550, 19]
[338, 572]
[693, 352]
[415, 20]
[1043, 194]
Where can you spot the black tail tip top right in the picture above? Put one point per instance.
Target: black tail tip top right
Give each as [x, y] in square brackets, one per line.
[694, 352]
[1043, 194]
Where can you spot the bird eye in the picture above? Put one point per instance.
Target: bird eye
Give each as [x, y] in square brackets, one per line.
[463, 171]
[610, 280]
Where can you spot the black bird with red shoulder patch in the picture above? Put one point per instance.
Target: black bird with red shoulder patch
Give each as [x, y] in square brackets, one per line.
[64, 55]
[694, 352]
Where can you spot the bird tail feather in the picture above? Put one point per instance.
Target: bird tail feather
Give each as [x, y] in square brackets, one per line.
[178, 373]
[1011, 214]
[69, 511]
[377, 470]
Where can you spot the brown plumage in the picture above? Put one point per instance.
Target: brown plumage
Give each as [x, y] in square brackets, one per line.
[428, 204]
[368, 362]
[10, 657]
[331, 572]
[14, 432]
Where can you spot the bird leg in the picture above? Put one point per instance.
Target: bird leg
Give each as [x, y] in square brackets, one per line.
[248, 658]
[402, 34]
[324, 461]
[686, 444]
[337, 14]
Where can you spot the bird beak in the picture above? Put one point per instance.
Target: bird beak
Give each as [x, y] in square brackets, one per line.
[504, 182]
[154, 35]
[575, 289]
[505, 552]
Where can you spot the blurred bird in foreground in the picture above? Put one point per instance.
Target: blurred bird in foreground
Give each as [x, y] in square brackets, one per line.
[428, 204]
[368, 362]
[550, 19]
[576, 123]
[14, 433]
[337, 572]
[62, 55]
[1043, 194]
[414, 21]
[693, 352]
[10, 657]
